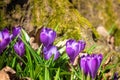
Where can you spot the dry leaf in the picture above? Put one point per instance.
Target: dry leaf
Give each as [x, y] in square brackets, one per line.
[111, 42]
[4, 75]
[8, 69]
[33, 44]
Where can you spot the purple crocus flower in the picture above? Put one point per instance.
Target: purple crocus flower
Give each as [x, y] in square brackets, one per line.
[19, 48]
[73, 48]
[47, 36]
[4, 39]
[49, 51]
[16, 31]
[90, 64]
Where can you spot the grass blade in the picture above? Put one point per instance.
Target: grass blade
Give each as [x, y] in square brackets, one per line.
[57, 74]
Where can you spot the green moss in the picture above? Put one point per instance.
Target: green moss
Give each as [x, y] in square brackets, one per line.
[62, 12]
[48, 13]
[117, 38]
[2, 20]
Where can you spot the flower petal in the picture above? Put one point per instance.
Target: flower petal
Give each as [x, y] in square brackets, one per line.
[16, 31]
[52, 36]
[5, 33]
[47, 36]
[44, 39]
[19, 48]
[81, 44]
[93, 66]
[71, 54]
[49, 51]
[1, 36]
[84, 65]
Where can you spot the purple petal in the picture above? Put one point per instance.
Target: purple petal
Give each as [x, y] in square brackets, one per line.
[4, 39]
[49, 51]
[5, 42]
[44, 39]
[48, 56]
[82, 44]
[1, 36]
[19, 48]
[5, 33]
[3, 45]
[84, 65]
[71, 54]
[93, 66]
[52, 35]
[74, 45]
[69, 42]
[99, 57]
[47, 36]
[56, 56]
[16, 31]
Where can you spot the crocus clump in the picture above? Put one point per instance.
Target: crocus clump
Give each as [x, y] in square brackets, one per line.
[19, 48]
[16, 31]
[4, 39]
[47, 37]
[90, 64]
[73, 48]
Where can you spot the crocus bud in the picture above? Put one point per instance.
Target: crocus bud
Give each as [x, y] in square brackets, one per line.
[4, 39]
[73, 49]
[49, 51]
[19, 48]
[90, 64]
[47, 36]
[16, 31]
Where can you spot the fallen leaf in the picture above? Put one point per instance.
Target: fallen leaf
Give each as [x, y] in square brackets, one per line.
[4, 75]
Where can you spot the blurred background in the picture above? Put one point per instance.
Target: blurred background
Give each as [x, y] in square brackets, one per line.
[31, 13]
[95, 21]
